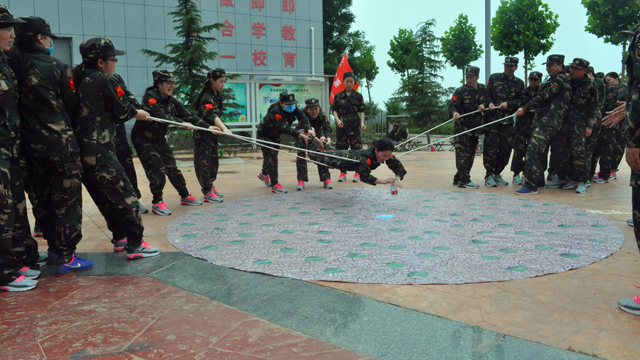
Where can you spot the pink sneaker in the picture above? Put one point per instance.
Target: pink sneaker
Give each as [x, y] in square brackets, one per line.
[265, 179]
[213, 190]
[328, 184]
[160, 209]
[190, 200]
[356, 177]
[342, 178]
[300, 185]
[212, 197]
[278, 189]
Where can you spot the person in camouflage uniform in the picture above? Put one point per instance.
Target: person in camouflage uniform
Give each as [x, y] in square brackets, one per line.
[505, 92]
[101, 103]
[150, 143]
[52, 157]
[123, 148]
[279, 120]
[607, 139]
[592, 141]
[620, 143]
[551, 105]
[205, 152]
[523, 129]
[14, 224]
[318, 120]
[581, 117]
[467, 98]
[367, 160]
[346, 107]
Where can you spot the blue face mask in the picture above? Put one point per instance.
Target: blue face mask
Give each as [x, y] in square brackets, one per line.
[50, 49]
[289, 108]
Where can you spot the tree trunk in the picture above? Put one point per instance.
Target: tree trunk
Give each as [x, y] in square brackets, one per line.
[526, 66]
[463, 77]
[370, 102]
[622, 73]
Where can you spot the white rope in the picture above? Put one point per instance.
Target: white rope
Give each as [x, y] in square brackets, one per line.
[444, 123]
[253, 141]
[464, 132]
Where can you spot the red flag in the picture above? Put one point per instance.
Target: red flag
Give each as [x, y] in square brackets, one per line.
[338, 85]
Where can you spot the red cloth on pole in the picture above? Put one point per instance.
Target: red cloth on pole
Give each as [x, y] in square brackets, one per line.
[338, 84]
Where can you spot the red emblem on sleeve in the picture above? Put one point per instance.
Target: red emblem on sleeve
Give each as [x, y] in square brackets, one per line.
[208, 106]
[368, 161]
[71, 84]
[278, 116]
[455, 97]
[152, 101]
[119, 91]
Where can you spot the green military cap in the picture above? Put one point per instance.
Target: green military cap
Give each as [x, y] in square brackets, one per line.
[216, 73]
[288, 98]
[579, 63]
[35, 26]
[600, 75]
[162, 76]
[98, 48]
[556, 59]
[591, 70]
[510, 60]
[472, 70]
[312, 102]
[535, 75]
[6, 17]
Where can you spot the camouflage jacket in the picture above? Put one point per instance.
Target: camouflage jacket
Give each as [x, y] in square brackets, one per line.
[101, 105]
[552, 101]
[602, 93]
[9, 114]
[633, 101]
[121, 131]
[501, 89]
[613, 95]
[209, 108]
[583, 108]
[524, 124]
[320, 124]
[277, 121]
[367, 162]
[46, 101]
[348, 107]
[465, 100]
[162, 107]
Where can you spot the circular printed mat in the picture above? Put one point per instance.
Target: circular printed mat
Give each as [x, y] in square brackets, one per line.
[367, 235]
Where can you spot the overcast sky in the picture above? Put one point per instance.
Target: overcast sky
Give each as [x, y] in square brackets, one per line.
[381, 19]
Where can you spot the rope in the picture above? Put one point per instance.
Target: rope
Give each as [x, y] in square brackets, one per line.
[444, 123]
[254, 141]
[464, 132]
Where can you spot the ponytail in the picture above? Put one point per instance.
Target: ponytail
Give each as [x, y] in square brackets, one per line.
[196, 103]
[78, 71]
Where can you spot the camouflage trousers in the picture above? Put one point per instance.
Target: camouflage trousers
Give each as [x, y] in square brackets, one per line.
[348, 138]
[125, 157]
[465, 146]
[112, 192]
[206, 163]
[590, 147]
[572, 144]
[270, 158]
[603, 152]
[301, 165]
[159, 163]
[57, 189]
[619, 148]
[538, 144]
[558, 160]
[17, 247]
[498, 141]
[520, 142]
[635, 204]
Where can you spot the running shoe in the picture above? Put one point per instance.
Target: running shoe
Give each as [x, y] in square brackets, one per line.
[356, 177]
[42, 259]
[632, 306]
[597, 175]
[119, 245]
[570, 185]
[278, 189]
[212, 197]
[581, 188]
[300, 186]
[160, 209]
[20, 284]
[613, 176]
[600, 181]
[37, 232]
[555, 183]
[489, 181]
[190, 200]
[143, 210]
[328, 184]
[518, 180]
[29, 273]
[213, 190]
[342, 178]
[499, 180]
[143, 251]
[630, 222]
[525, 191]
[469, 185]
[74, 266]
[265, 179]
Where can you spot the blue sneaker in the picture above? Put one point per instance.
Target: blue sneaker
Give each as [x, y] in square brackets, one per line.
[525, 191]
[76, 265]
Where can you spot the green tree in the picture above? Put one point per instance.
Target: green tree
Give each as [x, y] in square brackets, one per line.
[190, 56]
[337, 19]
[363, 63]
[523, 26]
[393, 107]
[372, 108]
[608, 18]
[403, 52]
[459, 46]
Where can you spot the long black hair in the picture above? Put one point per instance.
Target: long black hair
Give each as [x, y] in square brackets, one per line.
[383, 144]
[205, 88]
